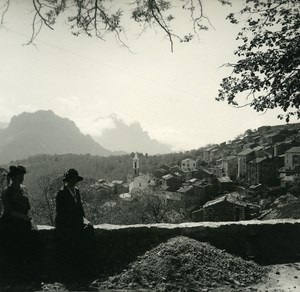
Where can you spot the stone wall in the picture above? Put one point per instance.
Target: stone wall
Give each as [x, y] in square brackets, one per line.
[266, 242]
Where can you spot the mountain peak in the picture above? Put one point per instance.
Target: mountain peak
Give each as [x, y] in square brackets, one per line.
[130, 138]
[43, 132]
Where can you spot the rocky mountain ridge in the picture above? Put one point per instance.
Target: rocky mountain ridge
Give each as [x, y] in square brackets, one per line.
[130, 138]
[43, 132]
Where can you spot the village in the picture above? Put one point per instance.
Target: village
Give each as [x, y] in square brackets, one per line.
[231, 181]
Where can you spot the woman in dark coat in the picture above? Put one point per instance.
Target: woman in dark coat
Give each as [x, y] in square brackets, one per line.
[74, 233]
[19, 236]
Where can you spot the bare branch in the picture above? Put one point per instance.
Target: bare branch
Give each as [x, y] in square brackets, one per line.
[241, 106]
[93, 18]
[161, 22]
[6, 6]
[38, 10]
[34, 32]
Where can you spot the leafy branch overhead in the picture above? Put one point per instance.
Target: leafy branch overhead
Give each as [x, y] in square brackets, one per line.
[268, 66]
[266, 74]
[101, 17]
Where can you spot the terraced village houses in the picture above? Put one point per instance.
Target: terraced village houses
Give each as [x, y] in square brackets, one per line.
[227, 181]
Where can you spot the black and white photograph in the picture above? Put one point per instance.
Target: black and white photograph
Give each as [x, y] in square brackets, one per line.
[150, 145]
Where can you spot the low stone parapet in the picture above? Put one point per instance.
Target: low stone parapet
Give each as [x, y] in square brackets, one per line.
[265, 242]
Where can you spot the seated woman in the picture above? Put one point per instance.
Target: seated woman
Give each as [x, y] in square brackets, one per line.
[74, 234]
[20, 239]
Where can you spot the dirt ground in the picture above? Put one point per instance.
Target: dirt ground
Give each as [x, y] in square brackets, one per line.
[281, 278]
[285, 277]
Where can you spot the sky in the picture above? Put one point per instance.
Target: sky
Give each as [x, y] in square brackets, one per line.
[172, 95]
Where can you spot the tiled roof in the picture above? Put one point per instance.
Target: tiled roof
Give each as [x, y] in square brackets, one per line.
[229, 198]
[118, 182]
[185, 189]
[173, 196]
[175, 168]
[188, 159]
[205, 170]
[211, 148]
[257, 160]
[167, 176]
[293, 150]
[201, 184]
[215, 150]
[245, 152]
[178, 174]
[224, 179]
[272, 135]
[193, 180]
[280, 143]
[257, 148]
[165, 167]
[230, 157]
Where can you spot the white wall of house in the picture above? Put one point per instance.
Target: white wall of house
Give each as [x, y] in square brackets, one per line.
[188, 164]
[229, 167]
[241, 166]
[291, 160]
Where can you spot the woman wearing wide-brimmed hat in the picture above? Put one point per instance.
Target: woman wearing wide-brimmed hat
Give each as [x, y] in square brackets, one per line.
[19, 238]
[69, 211]
[73, 231]
[15, 197]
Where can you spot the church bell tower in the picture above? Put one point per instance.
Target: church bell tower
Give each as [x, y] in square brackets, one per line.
[136, 165]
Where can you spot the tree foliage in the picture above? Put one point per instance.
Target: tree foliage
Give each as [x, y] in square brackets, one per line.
[266, 73]
[3, 183]
[101, 17]
[268, 66]
[97, 167]
[3, 178]
[146, 207]
[43, 202]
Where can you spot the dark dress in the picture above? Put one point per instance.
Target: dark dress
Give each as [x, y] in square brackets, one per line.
[69, 211]
[74, 239]
[19, 240]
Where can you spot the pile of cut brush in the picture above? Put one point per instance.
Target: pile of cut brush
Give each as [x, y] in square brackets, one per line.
[184, 264]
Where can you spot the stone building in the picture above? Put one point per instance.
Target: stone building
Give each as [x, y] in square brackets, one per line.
[188, 164]
[292, 159]
[225, 208]
[243, 158]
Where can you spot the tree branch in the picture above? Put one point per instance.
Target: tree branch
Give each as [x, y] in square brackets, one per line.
[6, 7]
[38, 10]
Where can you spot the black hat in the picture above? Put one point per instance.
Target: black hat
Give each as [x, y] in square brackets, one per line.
[72, 173]
[16, 170]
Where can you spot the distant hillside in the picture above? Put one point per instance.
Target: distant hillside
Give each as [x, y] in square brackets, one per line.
[130, 138]
[44, 132]
[89, 166]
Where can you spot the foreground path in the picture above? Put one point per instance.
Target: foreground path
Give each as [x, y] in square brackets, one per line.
[285, 277]
[281, 278]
